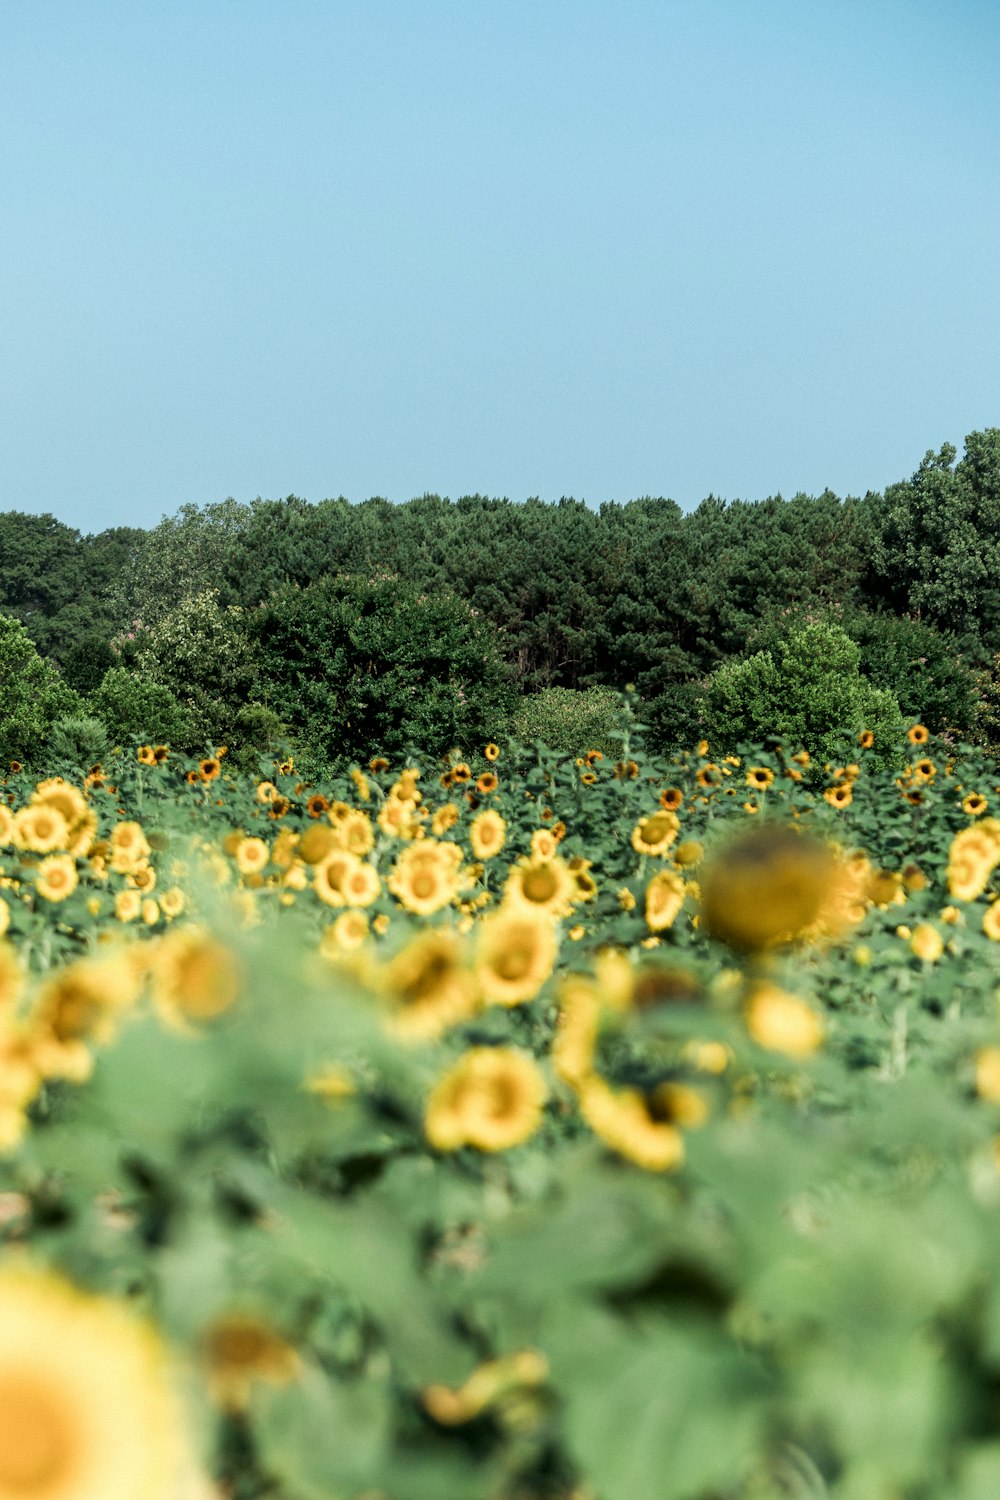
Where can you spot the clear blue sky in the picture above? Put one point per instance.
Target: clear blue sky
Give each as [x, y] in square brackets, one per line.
[604, 248]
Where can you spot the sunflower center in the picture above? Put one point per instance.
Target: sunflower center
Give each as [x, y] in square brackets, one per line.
[38, 1442]
[539, 885]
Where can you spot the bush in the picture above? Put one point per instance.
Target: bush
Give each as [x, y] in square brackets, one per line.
[357, 665]
[808, 691]
[202, 653]
[919, 665]
[79, 739]
[136, 710]
[32, 694]
[571, 720]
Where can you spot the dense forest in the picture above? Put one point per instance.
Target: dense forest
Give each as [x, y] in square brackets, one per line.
[340, 628]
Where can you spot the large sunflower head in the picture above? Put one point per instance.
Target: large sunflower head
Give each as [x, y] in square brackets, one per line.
[767, 886]
[86, 1407]
[427, 985]
[515, 953]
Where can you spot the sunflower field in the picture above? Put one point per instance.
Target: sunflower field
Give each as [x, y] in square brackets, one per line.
[523, 1128]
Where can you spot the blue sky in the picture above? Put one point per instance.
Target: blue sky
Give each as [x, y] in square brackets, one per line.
[522, 247]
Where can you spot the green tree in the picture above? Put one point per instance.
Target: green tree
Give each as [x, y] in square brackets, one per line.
[808, 691]
[354, 665]
[32, 695]
[936, 551]
[202, 652]
[136, 710]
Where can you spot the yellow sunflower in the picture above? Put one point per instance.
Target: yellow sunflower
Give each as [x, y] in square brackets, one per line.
[56, 877]
[918, 734]
[664, 898]
[635, 1125]
[991, 921]
[40, 828]
[972, 858]
[129, 847]
[427, 985]
[770, 885]
[543, 885]
[492, 1098]
[424, 878]
[86, 1407]
[781, 1022]
[251, 855]
[487, 834]
[78, 1007]
[193, 977]
[240, 1349]
[654, 834]
[515, 953]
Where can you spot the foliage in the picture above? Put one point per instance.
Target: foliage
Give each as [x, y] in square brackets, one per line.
[132, 707]
[354, 664]
[742, 1243]
[202, 652]
[937, 544]
[81, 740]
[32, 694]
[808, 690]
[571, 720]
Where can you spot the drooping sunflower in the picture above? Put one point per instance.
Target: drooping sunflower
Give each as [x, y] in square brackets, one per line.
[635, 1125]
[492, 1098]
[768, 886]
[240, 1349]
[86, 1407]
[665, 895]
[515, 953]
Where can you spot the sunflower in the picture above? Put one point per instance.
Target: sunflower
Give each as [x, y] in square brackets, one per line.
[708, 775]
[286, 767]
[655, 833]
[690, 852]
[86, 1408]
[129, 847]
[360, 885]
[78, 1007]
[972, 858]
[7, 826]
[671, 798]
[128, 905]
[427, 986]
[633, 1124]
[56, 877]
[40, 828]
[161, 754]
[266, 792]
[487, 834]
[446, 817]
[974, 804]
[492, 1098]
[866, 739]
[839, 796]
[802, 758]
[575, 1041]
[240, 1349]
[251, 855]
[925, 768]
[378, 764]
[424, 878]
[760, 777]
[918, 734]
[626, 770]
[317, 805]
[209, 768]
[588, 778]
[492, 751]
[593, 756]
[348, 932]
[193, 977]
[145, 756]
[20, 1081]
[768, 886]
[280, 806]
[926, 943]
[330, 874]
[515, 953]
[542, 885]
[781, 1022]
[664, 898]
[991, 921]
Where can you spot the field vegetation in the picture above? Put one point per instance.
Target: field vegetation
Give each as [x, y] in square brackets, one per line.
[517, 1124]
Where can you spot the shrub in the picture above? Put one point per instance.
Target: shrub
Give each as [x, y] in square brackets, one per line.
[79, 739]
[135, 709]
[201, 652]
[571, 720]
[808, 691]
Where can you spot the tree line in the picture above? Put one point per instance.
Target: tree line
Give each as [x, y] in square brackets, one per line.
[344, 627]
